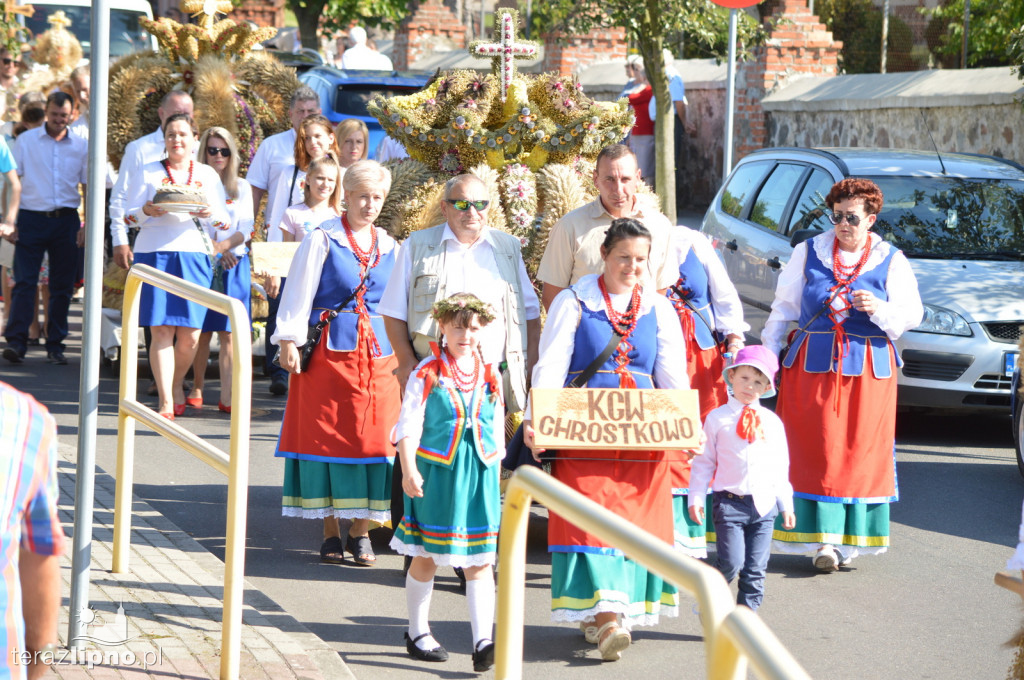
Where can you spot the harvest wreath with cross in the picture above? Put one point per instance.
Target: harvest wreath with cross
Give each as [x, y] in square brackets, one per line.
[532, 139]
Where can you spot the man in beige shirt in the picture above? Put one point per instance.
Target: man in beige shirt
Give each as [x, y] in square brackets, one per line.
[574, 244]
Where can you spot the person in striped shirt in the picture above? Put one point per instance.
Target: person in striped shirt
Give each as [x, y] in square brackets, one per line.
[31, 537]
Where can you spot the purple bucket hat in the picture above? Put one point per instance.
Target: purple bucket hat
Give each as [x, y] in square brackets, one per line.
[761, 358]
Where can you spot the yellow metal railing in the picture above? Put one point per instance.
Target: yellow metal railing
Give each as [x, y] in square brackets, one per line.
[235, 464]
[733, 636]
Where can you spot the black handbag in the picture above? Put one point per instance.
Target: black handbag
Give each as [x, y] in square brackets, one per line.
[516, 451]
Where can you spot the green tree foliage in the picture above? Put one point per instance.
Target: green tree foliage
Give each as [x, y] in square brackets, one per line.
[1015, 51]
[340, 13]
[991, 23]
[858, 23]
[649, 25]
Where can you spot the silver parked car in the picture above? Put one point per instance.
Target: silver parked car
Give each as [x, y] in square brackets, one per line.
[959, 218]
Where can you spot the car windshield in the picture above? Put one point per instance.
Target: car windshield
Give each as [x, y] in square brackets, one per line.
[946, 217]
[351, 100]
[126, 36]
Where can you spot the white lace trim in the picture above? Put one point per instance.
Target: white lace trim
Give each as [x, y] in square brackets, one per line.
[823, 249]
[378, 516]
[848, 551]
[589, 293]
[628, 620]
[700, 553]
[444, 560]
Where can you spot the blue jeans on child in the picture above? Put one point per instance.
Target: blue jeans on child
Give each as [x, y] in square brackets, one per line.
[744, 544]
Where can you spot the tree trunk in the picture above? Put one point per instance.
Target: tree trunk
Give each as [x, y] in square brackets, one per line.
[307, 14]
[650, 41]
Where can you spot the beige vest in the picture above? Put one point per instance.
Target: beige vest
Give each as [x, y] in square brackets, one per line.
[427, 255]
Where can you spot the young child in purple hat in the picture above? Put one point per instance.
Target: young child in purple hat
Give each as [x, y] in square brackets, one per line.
[747, 456]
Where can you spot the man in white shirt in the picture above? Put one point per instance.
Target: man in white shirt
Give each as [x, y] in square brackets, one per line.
[361, 56]
[137, 154]
[272, 174]
[574, 243]
[51, 163]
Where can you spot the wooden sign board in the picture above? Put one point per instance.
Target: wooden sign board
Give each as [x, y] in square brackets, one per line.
[616, 419]
[273, 259]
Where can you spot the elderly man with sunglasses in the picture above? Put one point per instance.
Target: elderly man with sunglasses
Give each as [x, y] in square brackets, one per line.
[464, 255]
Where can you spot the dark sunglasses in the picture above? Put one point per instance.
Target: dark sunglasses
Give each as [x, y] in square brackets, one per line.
[214, 151]
[837, 218]
[462, 205]
[7, 61]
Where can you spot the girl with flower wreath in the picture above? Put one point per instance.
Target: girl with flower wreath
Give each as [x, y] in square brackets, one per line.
[852, 295]
[592, 583]
[451, 438]
[335, 435]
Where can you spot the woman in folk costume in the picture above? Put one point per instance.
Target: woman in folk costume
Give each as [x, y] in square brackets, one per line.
[852, 295]
[709, 310]
[335, 436]
[451, 437]
[593, 583]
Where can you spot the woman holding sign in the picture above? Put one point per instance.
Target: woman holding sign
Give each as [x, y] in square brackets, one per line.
[593, 583]
[340, 411]
[852, 295]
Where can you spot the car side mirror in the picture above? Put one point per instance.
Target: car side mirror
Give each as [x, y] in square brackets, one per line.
[801, 235]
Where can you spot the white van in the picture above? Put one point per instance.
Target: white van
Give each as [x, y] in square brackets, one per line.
[126, 35]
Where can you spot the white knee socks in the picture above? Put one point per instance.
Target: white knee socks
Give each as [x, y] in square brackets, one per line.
[480, 596]
[417, 599]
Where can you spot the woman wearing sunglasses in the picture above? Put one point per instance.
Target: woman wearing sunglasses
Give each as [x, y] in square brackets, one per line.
[852, 295]
[217, 148]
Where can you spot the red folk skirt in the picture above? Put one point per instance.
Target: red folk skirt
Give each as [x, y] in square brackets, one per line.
[639, 492]
[841, 432]
[343, 406]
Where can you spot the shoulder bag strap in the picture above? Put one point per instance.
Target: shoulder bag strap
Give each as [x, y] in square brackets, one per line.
[595, 365]
[335, 312]
[803, 329]
[291, 187]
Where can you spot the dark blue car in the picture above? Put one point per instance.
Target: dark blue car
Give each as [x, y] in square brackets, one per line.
[345, 93]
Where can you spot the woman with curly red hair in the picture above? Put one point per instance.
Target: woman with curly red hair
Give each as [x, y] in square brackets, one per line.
[852, 295]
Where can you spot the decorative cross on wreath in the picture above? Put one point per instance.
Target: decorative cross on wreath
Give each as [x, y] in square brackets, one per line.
[505, 51]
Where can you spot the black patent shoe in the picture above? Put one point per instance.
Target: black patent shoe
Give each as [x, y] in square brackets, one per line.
[483, 658]
[438, 653]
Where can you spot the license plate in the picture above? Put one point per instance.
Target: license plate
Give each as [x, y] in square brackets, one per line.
[1009, 363]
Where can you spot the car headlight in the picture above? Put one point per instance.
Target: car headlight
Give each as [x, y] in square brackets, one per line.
[944, 321]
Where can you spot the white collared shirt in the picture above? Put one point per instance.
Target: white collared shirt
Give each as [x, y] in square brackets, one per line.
[242, 219]
[759, 469]
[467, 269]
[271, 170]
[137, 154]
[304, 279]
[51, 170]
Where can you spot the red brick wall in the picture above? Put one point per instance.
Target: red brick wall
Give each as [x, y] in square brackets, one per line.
[567, 55]
[262, 12]
[799, 47]
[431, 27]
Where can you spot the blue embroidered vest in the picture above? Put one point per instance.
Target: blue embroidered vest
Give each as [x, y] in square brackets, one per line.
[450, 422]
[339, 278]
[865, 338]
[693, 284]
[592, 335]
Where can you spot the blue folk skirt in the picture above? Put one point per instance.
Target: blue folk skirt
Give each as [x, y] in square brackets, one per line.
[237, 284]
[157, 307]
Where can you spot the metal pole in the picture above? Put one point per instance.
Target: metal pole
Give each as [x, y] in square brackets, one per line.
[529, 17]
[730, 96]
[885, 33]
[482, 8]
[967, 30]
[88, 391]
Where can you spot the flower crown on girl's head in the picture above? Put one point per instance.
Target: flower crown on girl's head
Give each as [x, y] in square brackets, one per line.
[459, 304]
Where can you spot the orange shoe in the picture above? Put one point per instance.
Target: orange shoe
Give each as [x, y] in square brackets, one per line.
[169, 416]
[196, 402]
[223, 407]
[179, 409]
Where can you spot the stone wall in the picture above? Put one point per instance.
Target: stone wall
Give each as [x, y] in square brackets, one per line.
[568, 55]
[973, 111]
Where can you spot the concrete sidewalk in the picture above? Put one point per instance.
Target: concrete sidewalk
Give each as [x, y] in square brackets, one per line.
[171, 600]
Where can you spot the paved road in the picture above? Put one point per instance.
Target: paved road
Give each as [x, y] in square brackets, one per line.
[928, 609]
